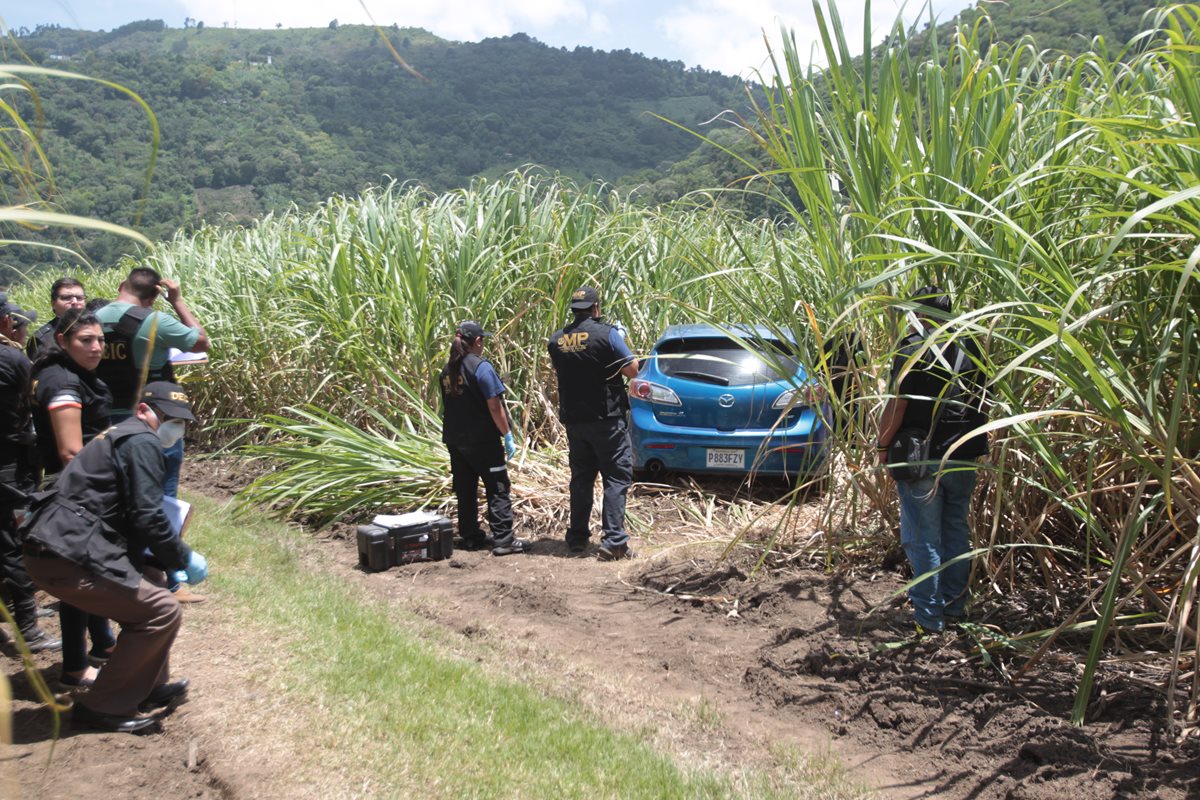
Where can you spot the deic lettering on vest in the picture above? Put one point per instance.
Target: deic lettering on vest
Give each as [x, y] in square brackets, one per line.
[573, 342]
[114, 351]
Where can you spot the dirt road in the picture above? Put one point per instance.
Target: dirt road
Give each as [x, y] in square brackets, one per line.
[723, 669]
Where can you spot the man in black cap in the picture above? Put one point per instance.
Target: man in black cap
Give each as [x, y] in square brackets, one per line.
[16, 478]
[590, 357]
[86, 544]
[22, 319]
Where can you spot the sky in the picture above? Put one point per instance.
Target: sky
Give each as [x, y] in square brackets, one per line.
[721, 35]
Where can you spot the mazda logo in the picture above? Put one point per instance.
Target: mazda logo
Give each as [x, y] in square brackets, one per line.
[725, 401]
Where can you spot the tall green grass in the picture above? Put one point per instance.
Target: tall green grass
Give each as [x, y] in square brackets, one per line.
[1055, 198]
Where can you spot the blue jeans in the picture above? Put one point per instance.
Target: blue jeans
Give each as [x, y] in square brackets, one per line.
[173, 461]
[934, 530]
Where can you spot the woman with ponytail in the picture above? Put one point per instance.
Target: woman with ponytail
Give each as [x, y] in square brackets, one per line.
[478, 433]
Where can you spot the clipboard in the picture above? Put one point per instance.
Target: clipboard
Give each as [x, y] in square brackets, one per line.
[179, 514]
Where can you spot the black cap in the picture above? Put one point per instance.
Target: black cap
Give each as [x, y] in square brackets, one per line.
[6, 307]
[23, 316]
[584, 298]
[471, 330]
[169, 399]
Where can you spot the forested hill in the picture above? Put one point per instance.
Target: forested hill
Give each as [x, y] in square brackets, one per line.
[254, 120]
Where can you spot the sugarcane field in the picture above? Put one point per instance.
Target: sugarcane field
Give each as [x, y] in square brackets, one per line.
[538, 487]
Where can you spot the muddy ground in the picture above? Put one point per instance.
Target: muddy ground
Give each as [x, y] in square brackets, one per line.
[789, 657]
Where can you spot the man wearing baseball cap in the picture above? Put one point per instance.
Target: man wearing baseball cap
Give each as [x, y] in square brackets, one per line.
[591, 357]
[16, 478]
[86, 544]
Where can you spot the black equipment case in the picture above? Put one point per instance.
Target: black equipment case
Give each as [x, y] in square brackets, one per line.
[375, 550]
[423, 541]
[380, 547]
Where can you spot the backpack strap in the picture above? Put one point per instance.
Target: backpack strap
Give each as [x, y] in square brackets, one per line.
[131, 321]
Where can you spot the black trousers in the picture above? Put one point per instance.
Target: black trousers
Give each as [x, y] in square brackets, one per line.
[470, 464]
[602, 448]
[16, 588]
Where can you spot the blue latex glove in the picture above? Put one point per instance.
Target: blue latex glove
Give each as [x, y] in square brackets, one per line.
[510, 447]
[179, 576]
[197, 568]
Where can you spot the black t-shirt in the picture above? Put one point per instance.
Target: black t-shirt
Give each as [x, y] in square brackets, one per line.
[927, 383]
[62, 383]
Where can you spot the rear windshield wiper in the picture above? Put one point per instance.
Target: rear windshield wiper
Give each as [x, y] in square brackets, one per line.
[702, 376]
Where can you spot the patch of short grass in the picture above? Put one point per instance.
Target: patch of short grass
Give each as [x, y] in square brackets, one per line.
[802, 775]
[702, 713]
[417, 719]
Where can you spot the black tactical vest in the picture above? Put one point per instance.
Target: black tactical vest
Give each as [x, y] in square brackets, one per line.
[466, 419]
[118, 369]
[589, 373]
[83, 517]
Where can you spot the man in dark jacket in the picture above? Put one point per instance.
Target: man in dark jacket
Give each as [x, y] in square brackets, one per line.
[590, 358]
[86, 544]
[938, 387]
[16, 478]
[66, 294]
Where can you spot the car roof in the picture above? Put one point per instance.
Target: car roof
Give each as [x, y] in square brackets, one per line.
[702, 330]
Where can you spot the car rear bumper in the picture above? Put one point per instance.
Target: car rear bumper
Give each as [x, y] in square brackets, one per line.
[799, 450]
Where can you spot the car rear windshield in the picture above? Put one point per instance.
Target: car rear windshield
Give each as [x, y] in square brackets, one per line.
[721, 362]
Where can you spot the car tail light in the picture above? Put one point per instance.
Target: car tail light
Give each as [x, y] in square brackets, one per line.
[653, 393]
[811, 394]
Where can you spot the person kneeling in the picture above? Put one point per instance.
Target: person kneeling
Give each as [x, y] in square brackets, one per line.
[85, 544]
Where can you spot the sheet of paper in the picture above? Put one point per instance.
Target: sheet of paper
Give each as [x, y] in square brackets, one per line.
[401, 520]
[179, 513]
[177, 356]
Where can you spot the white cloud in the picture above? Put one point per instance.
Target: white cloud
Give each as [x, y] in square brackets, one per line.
[728, 34]
[598, 24]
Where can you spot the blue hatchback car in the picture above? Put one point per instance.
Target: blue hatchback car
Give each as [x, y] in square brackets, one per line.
[705, 403]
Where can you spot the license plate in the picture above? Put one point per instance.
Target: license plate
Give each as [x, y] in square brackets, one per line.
[722, 458]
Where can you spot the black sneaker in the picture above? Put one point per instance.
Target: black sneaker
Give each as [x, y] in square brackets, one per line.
[576, 548]
[512, 548]
[613, 552]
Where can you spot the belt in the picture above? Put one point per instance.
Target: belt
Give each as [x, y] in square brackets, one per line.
[38, 551]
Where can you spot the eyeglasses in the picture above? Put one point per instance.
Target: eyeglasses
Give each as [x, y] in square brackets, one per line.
[72, 298]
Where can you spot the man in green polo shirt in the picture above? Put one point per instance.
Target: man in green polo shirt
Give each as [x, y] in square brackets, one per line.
[138, 337]
[136, 341]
